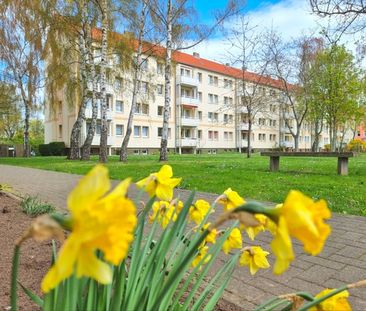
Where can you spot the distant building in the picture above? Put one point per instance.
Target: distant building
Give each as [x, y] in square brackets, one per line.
[205, 115]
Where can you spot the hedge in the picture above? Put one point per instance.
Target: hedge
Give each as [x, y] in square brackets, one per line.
[52, 149]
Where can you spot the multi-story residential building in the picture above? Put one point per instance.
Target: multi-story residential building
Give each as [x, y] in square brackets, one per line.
[205, 116]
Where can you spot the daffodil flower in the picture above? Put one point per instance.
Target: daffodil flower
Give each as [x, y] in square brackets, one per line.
[211, 236]
[202, 251]
[160, 184]
[198, 211]
[255, 258]
[230, 199]
[265, 224]
[337, 302]
[99, 221]
[164, 212]
[234, 240]
[302, 218]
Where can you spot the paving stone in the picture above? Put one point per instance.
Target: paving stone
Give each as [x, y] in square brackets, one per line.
[348, 261]
[318, 274]
[351, 251]
[323, 262]
[351, 274]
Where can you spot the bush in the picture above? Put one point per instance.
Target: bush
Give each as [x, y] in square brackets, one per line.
[32, 206]
[356, 145]
[52, 149]
[327, 147]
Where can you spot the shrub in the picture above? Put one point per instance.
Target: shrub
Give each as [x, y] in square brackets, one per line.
[32, 206]
[52, 149]
[356, 145]
[327, 147]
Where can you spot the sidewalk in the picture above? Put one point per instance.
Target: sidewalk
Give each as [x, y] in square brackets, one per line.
[343, 259]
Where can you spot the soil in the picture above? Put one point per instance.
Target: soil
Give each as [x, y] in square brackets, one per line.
[35, 258]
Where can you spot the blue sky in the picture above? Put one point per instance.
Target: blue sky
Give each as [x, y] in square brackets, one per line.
[290, 18]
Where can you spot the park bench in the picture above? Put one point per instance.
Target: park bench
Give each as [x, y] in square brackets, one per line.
[274, 158]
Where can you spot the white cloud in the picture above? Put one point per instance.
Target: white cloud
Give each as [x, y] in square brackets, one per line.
[290, 18]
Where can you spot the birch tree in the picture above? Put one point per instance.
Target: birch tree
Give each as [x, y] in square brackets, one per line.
[21, 48]
[103, 150]
[246, 50]
[136, 76]
[177, 22]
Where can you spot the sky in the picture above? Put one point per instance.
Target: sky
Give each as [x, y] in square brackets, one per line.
[291, 18]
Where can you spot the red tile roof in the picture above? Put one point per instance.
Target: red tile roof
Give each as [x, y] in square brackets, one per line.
[201, 63]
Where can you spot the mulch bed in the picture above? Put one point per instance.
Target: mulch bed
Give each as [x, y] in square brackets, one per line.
[35, 257]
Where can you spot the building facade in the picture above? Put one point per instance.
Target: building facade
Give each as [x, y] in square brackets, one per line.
[206, 113]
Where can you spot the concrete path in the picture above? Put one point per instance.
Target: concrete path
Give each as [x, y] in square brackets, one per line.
[343, 259]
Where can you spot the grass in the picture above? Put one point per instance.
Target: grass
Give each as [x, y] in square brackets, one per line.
[316, 177]
[32, 206]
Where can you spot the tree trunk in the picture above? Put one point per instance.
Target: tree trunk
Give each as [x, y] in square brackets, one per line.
[76, 129]
[296, 142]
[126, 139]
[164, 137]
[249, 145]
[85, 149]
[103, 152]
[26, 151]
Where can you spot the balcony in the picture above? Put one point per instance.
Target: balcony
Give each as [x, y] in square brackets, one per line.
[108, 87]
[189, 101]
[244, 142]
[244, 126]
[243, 110]
[287, 144]
[187, 81]
[187, 121]
[89, 112]
[285, 129]
[96, 140]
[188, 142]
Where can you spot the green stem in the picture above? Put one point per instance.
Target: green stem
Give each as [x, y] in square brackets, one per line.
[319, 300]
[14, 277]
[258, 208]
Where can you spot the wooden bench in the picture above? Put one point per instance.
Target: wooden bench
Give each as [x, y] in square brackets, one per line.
[274, 158]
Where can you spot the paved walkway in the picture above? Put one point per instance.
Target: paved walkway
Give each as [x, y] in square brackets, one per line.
[343, 259]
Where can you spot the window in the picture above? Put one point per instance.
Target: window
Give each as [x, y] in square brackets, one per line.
[199, 134]
[145, 131]
[216, 135]
[228, 136]
[272, 137]
[98, 129]
[185, 72]
[160, 68]
[228, 118]
[60, 130]
[144, 64]
[213, 117]
[261, 137]
[160, 110]
[118, 84]
[261, 121]
[137, 131]
[142, 109]
[210, 135]
[119, 129]
[213, 80]
[228, 84]
[200, 115]
[200, 97]
[228, 101]
[199, 76]
[119, 106]
[160, 89]
[160, 132]
[213, 99]
[142, 86]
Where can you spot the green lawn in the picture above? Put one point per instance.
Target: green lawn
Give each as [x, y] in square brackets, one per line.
[316, 177]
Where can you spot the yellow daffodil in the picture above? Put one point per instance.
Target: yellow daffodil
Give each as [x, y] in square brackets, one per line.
[234, 240]
[99, 221]
[211, 237]
[337, 302]
[164, 212]
[255, 258]
[160, 184]
[199, 210]
[230, 199]
[282, 248]
[202, 251]
[305, 220]
[179, 206]
[265, 224]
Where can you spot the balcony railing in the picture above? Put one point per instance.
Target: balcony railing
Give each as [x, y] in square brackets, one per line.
[89, 112]
[187, 121]
[96, 140]
[288, 144]
[188, 142]
[189, 101]
[244, 126]
[109, 88]
[189, 81]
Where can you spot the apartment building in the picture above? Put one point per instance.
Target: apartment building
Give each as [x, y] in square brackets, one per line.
[205, 114]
